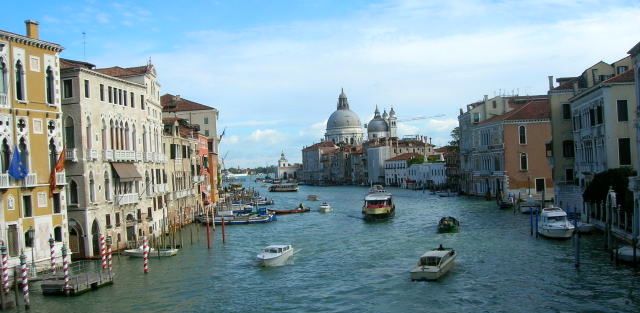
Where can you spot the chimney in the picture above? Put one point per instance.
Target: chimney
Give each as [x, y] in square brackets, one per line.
[486, 98]
[575, 88]
[550, 82]
[32, 29]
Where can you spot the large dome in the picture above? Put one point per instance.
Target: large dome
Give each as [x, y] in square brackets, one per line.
[343, 118]
[377, 125]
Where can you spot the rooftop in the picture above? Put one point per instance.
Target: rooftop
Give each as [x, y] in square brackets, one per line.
[404, 157]
[175, 103]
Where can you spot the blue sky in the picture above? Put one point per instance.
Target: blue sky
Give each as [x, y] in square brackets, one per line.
[274, 69]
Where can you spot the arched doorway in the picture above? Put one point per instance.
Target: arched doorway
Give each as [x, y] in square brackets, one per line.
[95, 238]
[76, 240]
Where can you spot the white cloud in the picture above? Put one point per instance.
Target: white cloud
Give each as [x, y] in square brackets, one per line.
[269, 136]
[232, 139]
[442, 125]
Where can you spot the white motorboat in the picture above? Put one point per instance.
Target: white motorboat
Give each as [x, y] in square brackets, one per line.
[275, 255]
[139, 252]
[325, 207]
[434, 264]
[554, 224]
[625, 254]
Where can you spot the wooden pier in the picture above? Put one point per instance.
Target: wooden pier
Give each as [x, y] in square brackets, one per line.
[84, 276]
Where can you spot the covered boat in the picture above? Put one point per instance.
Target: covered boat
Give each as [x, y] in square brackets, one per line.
[378, 204]
[275, 255]
[554, 224]
[434, 264]
[299, 209]
[288, 187]
[448, 224]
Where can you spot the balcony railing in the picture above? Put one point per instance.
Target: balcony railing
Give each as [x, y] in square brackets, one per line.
[124, 155]
[138, 156]
[71, 155]
[148, 156]
[5, 181]
[3, 99]
[93, 154]
[60, 179]
[198, 179]
[127, 198]
[31, 180]
[108, 155]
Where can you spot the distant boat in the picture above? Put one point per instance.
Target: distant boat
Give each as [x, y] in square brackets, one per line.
[325, 207]
[434, 264]
[139, 252]
[448, 224]
[275, 255]
[529, 206]
[288, 187]
[312, 197]
[446, 193]
[378, 204]
[299, 209]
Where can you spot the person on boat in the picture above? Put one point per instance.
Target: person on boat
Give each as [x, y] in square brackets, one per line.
[300, 206]
[440, 247]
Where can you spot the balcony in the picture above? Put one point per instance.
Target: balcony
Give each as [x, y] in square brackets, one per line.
[108, 155]
[5, 181]
[3, 99]
[31, 180]
[498, 173]
[124, 156]
[159, 158]
[71, 155]
[93, 154]
[127, 198]
[161, 188]
[198, 179]
[139, 156]
[148, 156]
[60, 179]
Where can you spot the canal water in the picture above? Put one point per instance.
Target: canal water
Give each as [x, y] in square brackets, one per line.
[347, 265]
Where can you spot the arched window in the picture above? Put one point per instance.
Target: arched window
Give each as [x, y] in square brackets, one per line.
[3, 78]
[113, 135]
[133, 137]
[73, 192]
[92, 189]
[104, 136]
[24, 152]
[127, 142]
[20, 84]
[50, 88]
[5, 155]
[144, 139]
[88, 131]
[522, 135]
[69, 135]
[107, 186]
[524, 163]
[57, 233]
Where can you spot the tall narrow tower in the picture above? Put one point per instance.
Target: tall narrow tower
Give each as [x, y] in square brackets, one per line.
[392, 123]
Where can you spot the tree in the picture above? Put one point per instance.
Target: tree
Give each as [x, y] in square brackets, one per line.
[419, 159]
[455, 137]
[618, 178]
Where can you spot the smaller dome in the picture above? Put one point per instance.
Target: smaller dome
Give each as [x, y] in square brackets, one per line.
[377, 125]
[384, 114]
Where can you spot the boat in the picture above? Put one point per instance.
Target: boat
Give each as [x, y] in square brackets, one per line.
[262, 201]
[299, 209]
[448, 224]
[446, 193]
[625, 253]
[275, 255]
[244, 219]
[325, 207]
[528, 206]
[378, 204]
[312, 197]
[138, 252]
[584, 228]
[554, 224]
[503, 205]
[287, 187]
[434, 264]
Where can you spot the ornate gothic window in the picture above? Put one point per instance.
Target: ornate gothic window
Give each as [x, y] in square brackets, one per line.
[69, 135]
[20, 83]
[50, 88]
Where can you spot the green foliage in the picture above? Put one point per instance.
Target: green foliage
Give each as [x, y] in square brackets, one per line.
[416, 160]
[455, 137]
[434, 159]
[617, 178]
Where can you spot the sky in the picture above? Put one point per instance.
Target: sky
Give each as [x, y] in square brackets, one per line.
[274, 69]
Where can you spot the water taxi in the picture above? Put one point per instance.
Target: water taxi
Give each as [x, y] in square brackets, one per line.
[287, 187]
[434, 264]
[554, 224]
[448, 224]
[325, 207]
[275, 255]
[378, 204]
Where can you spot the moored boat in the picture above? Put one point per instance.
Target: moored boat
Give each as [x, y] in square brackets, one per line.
[274, 255]
[325, 207]
[299, 209]
[246, 219]
[287, 187]
[448, 224]
[625, 253]
[139, 252]
[434, 264]
[529, 206]
[378, 204]
[446, 193]
[554, 224]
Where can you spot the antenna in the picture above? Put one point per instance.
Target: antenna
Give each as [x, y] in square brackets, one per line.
[84, 46]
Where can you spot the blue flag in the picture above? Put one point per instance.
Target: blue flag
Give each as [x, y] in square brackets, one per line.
[17, 169]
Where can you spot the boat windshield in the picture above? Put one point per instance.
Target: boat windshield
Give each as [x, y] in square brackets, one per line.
[376, 203]
[556, 219]
[429, 261]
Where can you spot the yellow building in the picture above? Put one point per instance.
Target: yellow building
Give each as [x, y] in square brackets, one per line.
[30, 122]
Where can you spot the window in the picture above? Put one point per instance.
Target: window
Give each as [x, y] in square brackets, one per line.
[12, 240]
[599, 116]
[24, 152]
[5, 155]
[108, 220]
[28, 238]
[67, 88]
[92, 188]
[3, 79]
[568, 175]
[142, 102]
[621, 69]
[206, 133]
[172, 151]
[57, 234]
[624, 151]
[101, 92]
[110, 95]
[592, 117]
[73, 193]
[69, 135]
[540, 184]
[522, 134]
[133, 104]
[494, 104]
[566, 111]
[49, 85]
[20, 83]
[623, 113]
[115, 95]
[124, 97]
[206, 120]
[27, 209]
[117, 219]
[567, 149]
[107, 187]
[57, 207]
[476, 117]
[120, 96]
[86, 88]
[524, 163]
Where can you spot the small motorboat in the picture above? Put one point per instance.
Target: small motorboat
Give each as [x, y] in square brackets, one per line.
[446, 193]
[434, 264]
[275, 255]
[299, 209]
[139, 252]
[325, 207]
[312, 197]
[244, 219]
[554, 224]
[448, 224]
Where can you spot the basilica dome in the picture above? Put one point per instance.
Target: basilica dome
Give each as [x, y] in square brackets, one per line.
[343, 124]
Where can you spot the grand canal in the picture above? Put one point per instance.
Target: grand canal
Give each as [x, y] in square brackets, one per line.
[348, 265]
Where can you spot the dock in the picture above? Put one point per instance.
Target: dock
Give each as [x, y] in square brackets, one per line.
[84, 276]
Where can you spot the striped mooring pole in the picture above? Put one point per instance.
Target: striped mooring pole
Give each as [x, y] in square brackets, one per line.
[5, 268]
[25, 279]
[65, 269]
[109, 264]
[53, 254]
[103, 252]
[145, 253]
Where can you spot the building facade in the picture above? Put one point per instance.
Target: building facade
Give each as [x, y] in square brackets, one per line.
[33, 204]
[287, 170]
[634, 183]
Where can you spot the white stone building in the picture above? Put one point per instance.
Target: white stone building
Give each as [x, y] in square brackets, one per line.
[115, 161]
[286, 170]
[426, 175]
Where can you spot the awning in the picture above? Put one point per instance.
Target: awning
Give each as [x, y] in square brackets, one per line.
[126, 172]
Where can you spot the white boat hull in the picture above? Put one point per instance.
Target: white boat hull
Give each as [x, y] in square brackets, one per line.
[431, 272]
[556, 233]
[136, 253]
[325, 209]
[276, 261]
